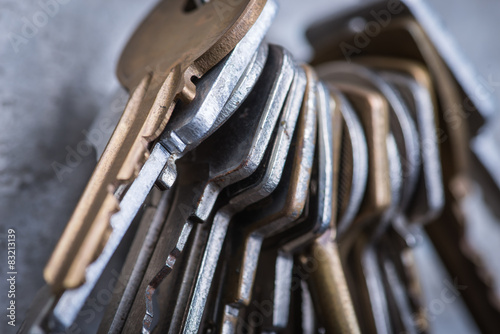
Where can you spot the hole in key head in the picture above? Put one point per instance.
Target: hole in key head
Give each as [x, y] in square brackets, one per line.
[195, 79]
[192, 5]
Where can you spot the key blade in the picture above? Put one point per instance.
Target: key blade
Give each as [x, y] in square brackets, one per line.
[72, 301]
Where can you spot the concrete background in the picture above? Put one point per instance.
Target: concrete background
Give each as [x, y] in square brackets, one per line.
[57, 76]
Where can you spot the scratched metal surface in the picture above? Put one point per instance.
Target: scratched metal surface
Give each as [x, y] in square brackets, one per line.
[57, 75]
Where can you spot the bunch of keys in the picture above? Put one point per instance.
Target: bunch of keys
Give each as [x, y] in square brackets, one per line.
[271, 196]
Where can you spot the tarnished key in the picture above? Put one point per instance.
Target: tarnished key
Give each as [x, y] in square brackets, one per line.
[265, 219]
[252, 73]
[268, 178]
[332, 298]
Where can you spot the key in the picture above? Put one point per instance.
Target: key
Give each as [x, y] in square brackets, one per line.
[221, 136]
[353, 171]
[282, 211]
[267, 181]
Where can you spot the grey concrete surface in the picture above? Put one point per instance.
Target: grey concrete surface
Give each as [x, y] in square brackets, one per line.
[57, 73]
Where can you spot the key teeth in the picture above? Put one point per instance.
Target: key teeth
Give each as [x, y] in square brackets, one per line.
[168, 175]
